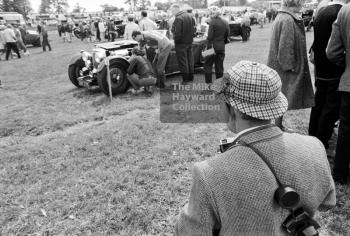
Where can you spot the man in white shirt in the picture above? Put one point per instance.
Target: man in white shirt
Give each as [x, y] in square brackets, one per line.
[130, 27]
[146, 23]
[10, 41]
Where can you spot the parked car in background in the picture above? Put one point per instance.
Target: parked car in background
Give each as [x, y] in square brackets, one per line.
[32, 38]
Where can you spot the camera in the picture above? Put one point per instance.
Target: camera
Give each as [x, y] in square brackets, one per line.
[299, 223]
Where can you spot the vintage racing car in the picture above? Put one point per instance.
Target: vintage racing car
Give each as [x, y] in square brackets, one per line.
[90, 69]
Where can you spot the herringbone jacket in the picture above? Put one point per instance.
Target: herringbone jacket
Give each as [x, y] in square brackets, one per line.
[234, 191]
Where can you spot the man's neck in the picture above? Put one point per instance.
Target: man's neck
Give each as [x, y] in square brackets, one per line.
[245, 125]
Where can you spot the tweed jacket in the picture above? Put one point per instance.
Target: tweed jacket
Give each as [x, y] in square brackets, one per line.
[288, 56]
[338, 49]
[233, 193]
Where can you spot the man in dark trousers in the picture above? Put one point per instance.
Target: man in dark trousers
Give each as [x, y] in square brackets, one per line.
[183, 30]
[217, 41]
[327, 99]
[45, 38]
[338, 52]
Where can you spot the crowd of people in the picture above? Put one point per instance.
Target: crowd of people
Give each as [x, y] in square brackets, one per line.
[256, 97]
[244, 188]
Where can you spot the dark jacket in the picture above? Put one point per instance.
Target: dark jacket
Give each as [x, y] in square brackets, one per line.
[140, 66]
[218, 34]
[184, 28]
[338, 49]
[322, 31]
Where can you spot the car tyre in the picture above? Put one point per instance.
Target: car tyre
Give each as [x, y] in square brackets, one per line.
[119, 79]
[74, 71]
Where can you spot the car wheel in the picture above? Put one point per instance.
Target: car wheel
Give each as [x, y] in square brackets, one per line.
[119, 81]
[74, 71]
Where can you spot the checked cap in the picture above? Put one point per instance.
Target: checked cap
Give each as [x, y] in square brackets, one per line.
[254, 89]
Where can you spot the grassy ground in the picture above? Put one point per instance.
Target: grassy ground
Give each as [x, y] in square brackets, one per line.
[72, 163]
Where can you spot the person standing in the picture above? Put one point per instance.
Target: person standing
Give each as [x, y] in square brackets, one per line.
[98, 33]
[2, 40]
[102, 28]
[288, 56]
[233, 192]
[45, 36]
[338, 52]
[146, 23]
[164, 25]
[183, 30]
[130, 27]
[162, 46]
[218, 34]
[20, 43]
[10, 41]
[327, 76]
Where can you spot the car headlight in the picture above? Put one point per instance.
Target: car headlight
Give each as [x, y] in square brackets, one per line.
[85, 56]
[99, 56]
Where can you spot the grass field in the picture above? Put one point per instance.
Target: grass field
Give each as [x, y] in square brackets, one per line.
[72, 163]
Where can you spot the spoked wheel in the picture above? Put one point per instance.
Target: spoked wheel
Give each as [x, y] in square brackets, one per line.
[74, 71]
[119, 81]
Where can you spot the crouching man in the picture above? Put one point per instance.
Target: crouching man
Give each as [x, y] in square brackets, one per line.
[234, 193]
[162, 45]
[140, 72]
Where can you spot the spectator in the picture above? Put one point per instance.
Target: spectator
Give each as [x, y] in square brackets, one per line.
[146, 23]
[2, 40]
[102, 29]
[10, 42]
[59, 29]
[20, 43]
[233, 193]
[288, 56]
[217, 38]
[98, 33]
[39, 28]
[164, 25]
[183, 30]
[45, 38]
[338, 52]
[93, 30]
[68, 29]
[140, 71]
[162, 46]
[130, 27]
[327, 76]
[245, 27]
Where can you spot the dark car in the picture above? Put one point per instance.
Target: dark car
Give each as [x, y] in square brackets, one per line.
[32, 38]
[89, 69]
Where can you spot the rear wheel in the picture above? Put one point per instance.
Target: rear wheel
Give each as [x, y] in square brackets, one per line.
[119, 81]
[74, 71]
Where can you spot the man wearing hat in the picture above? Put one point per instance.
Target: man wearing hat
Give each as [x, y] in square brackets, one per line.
[233, 192]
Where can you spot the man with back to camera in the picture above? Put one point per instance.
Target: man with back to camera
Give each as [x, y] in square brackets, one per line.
[146, 23]
[162, 45]
[325, 112]
[183, 30]
[130, 27]
[233, 192]
[338, 52]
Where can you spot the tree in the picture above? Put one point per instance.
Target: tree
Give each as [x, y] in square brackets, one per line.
[45, 6]
[59, 6]
[162, 6]
[109, 8]
[242, 2]
[78, 9]
[21, 6]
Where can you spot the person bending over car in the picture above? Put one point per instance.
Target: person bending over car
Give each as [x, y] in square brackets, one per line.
[161, 44]
[140, 72]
